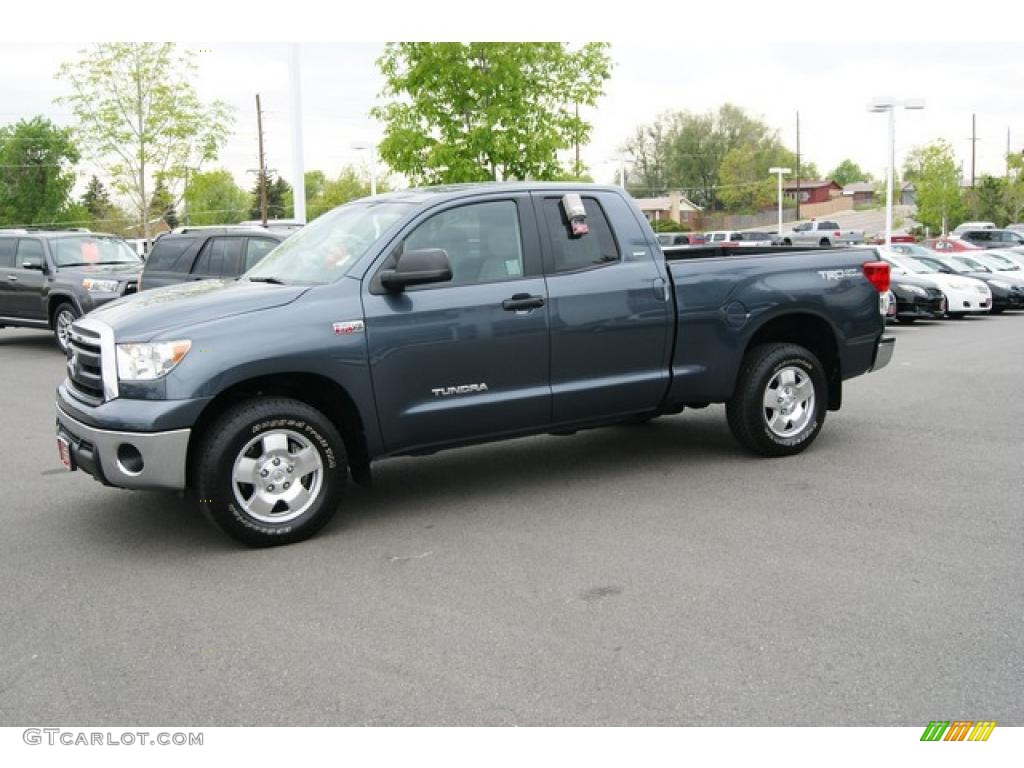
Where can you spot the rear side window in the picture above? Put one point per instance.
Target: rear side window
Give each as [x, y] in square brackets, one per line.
[257, 248]
[219, 257]
[828, 225]
[7, 246]
[595, 248]
[168, 254]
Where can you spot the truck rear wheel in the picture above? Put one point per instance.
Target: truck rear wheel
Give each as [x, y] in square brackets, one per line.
[270, 471]
[781, 400]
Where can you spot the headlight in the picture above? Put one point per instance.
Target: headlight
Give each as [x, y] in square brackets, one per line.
[99, 286]
[957, 285]
[145, 362]
[1000, 284]
[914, 289]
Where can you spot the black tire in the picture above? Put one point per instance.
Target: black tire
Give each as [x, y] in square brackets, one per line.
[995, 311]
[249, 423]
[749, 417]
[64, 314]
[824, 243]
[787, 241]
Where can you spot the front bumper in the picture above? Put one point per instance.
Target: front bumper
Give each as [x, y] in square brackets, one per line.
[126, 459]
[883, 352]
[962, 302]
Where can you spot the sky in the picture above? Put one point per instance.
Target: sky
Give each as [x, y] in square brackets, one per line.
[829, 84]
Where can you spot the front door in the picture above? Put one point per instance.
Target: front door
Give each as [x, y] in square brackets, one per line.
[466, 359]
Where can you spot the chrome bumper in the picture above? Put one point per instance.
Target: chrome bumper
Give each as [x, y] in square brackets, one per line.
[127, 459]
[883, 352]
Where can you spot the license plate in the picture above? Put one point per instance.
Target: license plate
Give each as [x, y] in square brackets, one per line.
[64, 453]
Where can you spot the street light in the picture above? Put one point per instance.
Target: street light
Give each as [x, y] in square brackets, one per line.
[889, 105]
[781, 172]
[373, 163]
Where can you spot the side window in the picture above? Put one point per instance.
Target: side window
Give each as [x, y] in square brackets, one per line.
[168, 254]
[29, 251]
[482, 241]
[256, 249]
[828, 225]
[801, 227]
[7, 246]
[595, 248]
[219, 257]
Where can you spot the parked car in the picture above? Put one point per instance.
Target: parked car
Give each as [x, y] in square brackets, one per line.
[678, 238]
[1015, 227]
[888, 306]
[49, 278]
[964, 295]
[734, 239]
[824, 233]
[897, 237]
[993, 238]
[973, 225]
[420, 320]
[1011, 257]
[1007, 291]
[203, 253]
[916, 299]
[950, 244]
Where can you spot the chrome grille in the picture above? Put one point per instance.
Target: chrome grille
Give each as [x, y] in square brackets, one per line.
[85, 365]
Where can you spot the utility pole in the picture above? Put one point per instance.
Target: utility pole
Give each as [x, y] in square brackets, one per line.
[974, 145]
[1007, 151]
[263, 164]
[797, 168]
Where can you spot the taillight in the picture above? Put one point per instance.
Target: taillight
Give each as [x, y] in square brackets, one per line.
[838, 233]
[877, 273]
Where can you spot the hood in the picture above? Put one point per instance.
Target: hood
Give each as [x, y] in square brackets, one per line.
[104, 271]
[145, 315]
[955, 282]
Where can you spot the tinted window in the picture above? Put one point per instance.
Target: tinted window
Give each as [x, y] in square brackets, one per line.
[7, 246]
[257, 248]
[168, 254]
[828, 225]
[29, 250]
[219, 257]
[84, 250]
[592, 249]
[482, 241]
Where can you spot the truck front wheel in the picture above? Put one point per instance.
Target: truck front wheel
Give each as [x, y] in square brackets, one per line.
[270, 471]
[781, 400]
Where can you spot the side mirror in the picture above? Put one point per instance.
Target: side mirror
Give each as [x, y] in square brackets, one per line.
[33, 264]
[429, 265]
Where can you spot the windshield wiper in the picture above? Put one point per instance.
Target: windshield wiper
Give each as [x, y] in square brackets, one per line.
[274, 280]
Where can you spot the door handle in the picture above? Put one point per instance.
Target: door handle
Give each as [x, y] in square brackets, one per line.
[13, 277]
[522, 301]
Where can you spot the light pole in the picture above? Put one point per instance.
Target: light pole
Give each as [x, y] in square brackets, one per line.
[373, 163]
[780, 172]
[889, 105]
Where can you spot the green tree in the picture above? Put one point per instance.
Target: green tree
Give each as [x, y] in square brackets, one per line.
[746, 184]
[936, 177]
[848, 172]
[161, 204]
[139, 117]
[279, 198]
[1015, 188]
[988, 200]
[482, 111]
[213, 197]
[96, 199]
[36, 176]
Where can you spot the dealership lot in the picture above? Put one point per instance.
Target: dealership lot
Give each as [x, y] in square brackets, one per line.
[652, 574]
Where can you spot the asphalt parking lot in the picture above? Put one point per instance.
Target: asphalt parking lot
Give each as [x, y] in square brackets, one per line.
[643, 575]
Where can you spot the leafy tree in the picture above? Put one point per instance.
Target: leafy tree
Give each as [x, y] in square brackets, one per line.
[139, 116]
[1015, 188]
[314, 182]
[96, 199]
[213, 197]
[35, 171]
[161, 204]
[481, 111]
[988, 200]
[848, 172]
[350, 184]
[279, 198]
[747, 185]
[936, 177]
[666, 225]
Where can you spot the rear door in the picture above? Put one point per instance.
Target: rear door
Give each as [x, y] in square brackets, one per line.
[465, 359]
[219, 257]
[610, 311]
[170, 261]
[255, 249]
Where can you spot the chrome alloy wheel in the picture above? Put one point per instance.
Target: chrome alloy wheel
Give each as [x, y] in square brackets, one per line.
[63, 321]
[277, 476]
[789, 401]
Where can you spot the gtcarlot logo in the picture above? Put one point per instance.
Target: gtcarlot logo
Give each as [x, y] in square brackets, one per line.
[70, 738]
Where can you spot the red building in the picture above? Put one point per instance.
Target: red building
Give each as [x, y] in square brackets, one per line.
[813, 191]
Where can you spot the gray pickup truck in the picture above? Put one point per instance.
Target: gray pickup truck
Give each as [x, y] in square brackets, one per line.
[432, 318]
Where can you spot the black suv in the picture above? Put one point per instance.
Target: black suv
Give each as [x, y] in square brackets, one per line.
[49, 278]
[993, 238]
[202, 253]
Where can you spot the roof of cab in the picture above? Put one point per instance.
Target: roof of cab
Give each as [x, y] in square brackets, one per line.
[453, 191]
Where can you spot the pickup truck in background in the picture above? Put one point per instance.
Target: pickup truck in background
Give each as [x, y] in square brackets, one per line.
[426, 319]
[823, 233]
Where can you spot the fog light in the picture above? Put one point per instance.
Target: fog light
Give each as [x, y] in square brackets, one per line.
[129, 459]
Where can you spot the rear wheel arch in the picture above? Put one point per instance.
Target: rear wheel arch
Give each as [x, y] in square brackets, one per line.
[812, 332]
[316, 391]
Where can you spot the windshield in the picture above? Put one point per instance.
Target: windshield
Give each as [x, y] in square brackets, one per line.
[998, 263]
[908, 264]
[913, 250]
[323, 251]
[90, 250]
[941, 264]
[975, 265]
